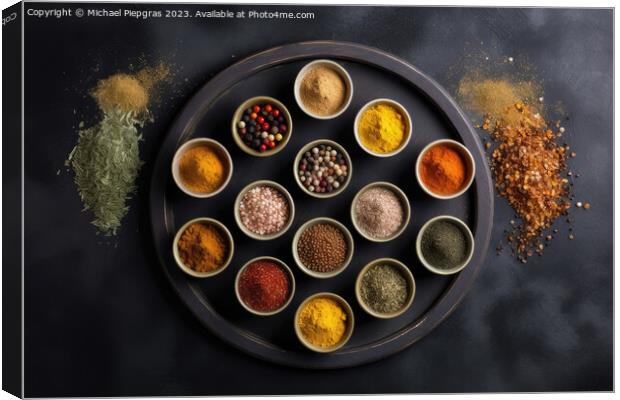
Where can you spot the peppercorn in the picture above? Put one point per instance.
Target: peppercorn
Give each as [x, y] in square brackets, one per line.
[256, 108]
[263, 122]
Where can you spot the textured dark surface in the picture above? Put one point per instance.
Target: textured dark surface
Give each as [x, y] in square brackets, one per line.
[102, 320]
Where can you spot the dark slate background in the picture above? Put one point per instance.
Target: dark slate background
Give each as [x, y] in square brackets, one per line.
[101, 318]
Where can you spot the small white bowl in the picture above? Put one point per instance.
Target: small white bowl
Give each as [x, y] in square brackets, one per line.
[402, 110]
[403, 200]
[339, 69]
[468, 235]
[239, 112]
[347, 237]
[350, 323]
[218, 225]
[279, 188]
[337, 147]
[198, 142]
[291, 280]
[465, 154]
[405, 272]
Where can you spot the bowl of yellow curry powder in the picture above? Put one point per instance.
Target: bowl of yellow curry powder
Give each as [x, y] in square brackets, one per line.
[202, 167]
[382, 127]
[203, 247]
[324, 322]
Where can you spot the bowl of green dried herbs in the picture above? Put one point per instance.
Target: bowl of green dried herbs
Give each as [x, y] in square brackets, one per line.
[385, 288]
[445, 245]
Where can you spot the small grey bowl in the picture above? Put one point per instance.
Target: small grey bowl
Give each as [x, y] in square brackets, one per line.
[350, 323]
[405, 272]
[282, 190]
[198, 142]
[463, 151]
[222, 228]
[403, 200]
[403, 111]
[348, 238]
[250, 102]
[339, 69]
[291, 280]
[337, 147]
[470, 242]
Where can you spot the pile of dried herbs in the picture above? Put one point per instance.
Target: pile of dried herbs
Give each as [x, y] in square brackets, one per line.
[106, 162]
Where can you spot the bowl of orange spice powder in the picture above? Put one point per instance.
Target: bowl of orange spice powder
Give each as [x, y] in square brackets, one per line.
[445, 169]
[203, 247]
[202, 167]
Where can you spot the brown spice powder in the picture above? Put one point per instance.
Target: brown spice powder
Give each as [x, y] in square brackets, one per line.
[322, 91]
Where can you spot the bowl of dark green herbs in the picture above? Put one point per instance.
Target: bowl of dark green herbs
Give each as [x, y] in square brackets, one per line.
[385, 288]
[445, 245]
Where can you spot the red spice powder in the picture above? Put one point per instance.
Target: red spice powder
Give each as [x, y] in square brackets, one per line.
[264, 286]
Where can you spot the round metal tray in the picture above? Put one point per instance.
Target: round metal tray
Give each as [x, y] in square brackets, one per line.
[272, 72]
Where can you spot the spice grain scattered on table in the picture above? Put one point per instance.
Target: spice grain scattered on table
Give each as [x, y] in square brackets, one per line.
[322, 247]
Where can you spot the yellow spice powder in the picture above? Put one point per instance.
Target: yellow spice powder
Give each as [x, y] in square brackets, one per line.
[382, 129]
[323, 322]
[202, 170]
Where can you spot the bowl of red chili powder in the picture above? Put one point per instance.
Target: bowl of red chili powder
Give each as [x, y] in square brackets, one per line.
[445, 169]
[265, 286]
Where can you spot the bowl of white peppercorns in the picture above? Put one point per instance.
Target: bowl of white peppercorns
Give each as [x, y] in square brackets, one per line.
[264, 210]
[323, 168]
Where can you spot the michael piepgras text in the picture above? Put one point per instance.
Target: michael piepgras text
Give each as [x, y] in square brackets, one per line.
[165, 13]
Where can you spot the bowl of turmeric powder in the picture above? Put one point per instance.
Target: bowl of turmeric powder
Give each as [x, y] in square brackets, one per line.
[324, 322]
[445, 169]
[203, 247]
[202, 167]
[382, 127]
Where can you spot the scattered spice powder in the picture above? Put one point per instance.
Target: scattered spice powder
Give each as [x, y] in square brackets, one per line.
[379, 212]
[443, 170]
[322, 247]
[203, 247]
[264, 286]
[323, 91]
[323, 322]
[528, 162]
[202, 169]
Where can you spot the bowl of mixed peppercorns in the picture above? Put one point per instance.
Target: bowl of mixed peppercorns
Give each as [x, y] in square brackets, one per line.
[323, 168]
[262, 126]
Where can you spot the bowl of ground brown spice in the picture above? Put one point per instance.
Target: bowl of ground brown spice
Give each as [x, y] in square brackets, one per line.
[202, 167]
[445, 169]
[323, 89]
[203, 247]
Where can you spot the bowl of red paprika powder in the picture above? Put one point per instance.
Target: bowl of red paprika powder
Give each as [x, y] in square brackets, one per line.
[445, 169]
[265, 286]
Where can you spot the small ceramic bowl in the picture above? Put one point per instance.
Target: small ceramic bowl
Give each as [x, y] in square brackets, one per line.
[348, 82]
[350, 323]
[249, 103]
[291, 280]
[468, 235]
[276, 186]
[338, 148]
[465, 154]
[214, 145]
[403, 200]
[222, 228]
[405, 272]
[402, 110]
[348, 238]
